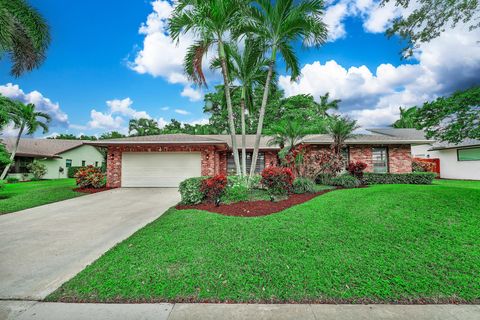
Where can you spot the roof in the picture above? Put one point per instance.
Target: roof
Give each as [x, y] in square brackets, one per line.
[464, 143]
[365, 139]
[48, 148]
[409, 134]
[160, 139]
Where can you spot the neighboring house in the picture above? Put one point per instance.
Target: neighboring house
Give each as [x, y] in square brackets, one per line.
[57, 155]
[457, 161]
[166, 160]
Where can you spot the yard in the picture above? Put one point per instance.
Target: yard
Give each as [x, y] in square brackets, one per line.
[24, 195]
[384, 243]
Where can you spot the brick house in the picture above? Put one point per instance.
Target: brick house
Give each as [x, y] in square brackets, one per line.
[166, 160]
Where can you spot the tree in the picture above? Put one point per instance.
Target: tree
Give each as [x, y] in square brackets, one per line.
[4, 156]
[24, 35]
[143, 127]
[287, 134]
[278, 25]
[6, 107]
[341, 129]
[26, 119]
[111, 135]
[452, 119]
[407, 118]
[213, 21]
[326, 104]
[429, 18]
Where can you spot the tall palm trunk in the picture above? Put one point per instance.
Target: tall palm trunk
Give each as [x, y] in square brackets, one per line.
[262, 114]
[244, 151]
[12, 156]
[231, 124]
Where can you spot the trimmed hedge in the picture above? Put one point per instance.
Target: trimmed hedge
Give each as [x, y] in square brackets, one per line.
[72, 171]
[190, 190]
[345, 180]
[399, 178]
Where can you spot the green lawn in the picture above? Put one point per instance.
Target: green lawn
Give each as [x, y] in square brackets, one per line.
[24, 195]
[386, 243]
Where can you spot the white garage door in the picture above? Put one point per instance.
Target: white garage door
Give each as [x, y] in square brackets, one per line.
[159, 169]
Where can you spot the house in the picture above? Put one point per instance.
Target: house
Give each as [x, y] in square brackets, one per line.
[457, 161]
[166, 160]
[56, 154]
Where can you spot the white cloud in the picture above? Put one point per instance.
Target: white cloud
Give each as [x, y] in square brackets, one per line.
[201, 121]
[162, 122]
[165, 108]
[374, 96]
[123, 107]
[106, 121]
[333, 18]
[182, 112]
[44, 104]
[192, 94]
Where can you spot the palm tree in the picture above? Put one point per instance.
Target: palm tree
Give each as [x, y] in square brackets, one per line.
[341, 129]
[324, 105]
[287, 133]
[25, 118]
[407, 118]
[143, 127]
[249, 68]
[277, 25]
[213, 22]
[24, 35]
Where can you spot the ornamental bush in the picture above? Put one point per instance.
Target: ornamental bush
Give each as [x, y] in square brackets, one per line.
[277, 180]
[72, 171]
[214, 187]
[399, 178]
[356, 169]
[345, 180]
[237, 189]
[190, 190]
[37, 169]
[303, 185]
[90, 177]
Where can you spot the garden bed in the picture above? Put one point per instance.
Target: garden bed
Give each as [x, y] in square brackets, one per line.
[92, 190]
[254, 208]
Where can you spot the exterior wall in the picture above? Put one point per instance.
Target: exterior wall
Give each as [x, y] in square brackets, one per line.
[210, 161]
[362, 153]
[451, 168]
[271, 158]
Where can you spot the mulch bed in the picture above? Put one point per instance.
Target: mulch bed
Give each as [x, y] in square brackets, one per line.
[254, 208]
[91, 190]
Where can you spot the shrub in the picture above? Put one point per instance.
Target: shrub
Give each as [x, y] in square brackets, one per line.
[321, 162]
[345, 180]
[190, 190]
[399, 178]
[37, 169]
[72, 171]
[2, 185]
[90, 177]
[277, 180]
[324, 178]
[356, 169]
[237, 189]
[214, 187]
[12, 179]
[303, 185]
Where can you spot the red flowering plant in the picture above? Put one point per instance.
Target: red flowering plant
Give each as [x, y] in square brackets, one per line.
[356, 169]
[323, 161]
[90, 177]
[214, 187]
[293, 158]
[277, 180]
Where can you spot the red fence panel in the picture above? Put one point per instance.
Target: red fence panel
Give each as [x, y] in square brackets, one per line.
[435, 161]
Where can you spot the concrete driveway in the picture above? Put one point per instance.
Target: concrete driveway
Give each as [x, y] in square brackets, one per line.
[42, 247]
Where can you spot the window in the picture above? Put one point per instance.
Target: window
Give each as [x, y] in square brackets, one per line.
[258, 169]
[345, 156]
[96, 163]
[20, 165]
[470, 154]
[380, 160]
[83, 163]
[68, 163]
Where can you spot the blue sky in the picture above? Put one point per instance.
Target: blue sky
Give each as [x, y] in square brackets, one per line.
[100, 52]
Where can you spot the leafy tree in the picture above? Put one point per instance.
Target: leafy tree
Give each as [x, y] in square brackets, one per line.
[407, 118]
[429, 18]
[213, 22]
[340, 129]
[326, 104]
[37, 169]
[6, 106]
[26, 119]
[64, 136]
[452, 119]
[143, 127]
[287, 134]
[24, 35]
[278, 25]
[4, 156]
[111, 135]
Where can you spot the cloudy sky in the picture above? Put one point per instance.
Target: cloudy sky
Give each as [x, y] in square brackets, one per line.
[111, 61]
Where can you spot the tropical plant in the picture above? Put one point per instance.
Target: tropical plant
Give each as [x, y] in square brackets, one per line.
[407, 118]
[356, 169]
[278, 25]
[90, 177]
[325, 104]
[26, 120]
[111, 135]
[277, 180]
[37, 169]
[6, 106]
[287, 134]
[340, 129]
[214, 187]
[143, 127]
[4, 156]
[24, 35]
[212, 21]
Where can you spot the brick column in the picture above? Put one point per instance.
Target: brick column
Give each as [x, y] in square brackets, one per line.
[400, 159]
[114, 167]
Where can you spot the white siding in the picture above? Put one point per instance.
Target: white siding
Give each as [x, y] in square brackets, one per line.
[451, 168]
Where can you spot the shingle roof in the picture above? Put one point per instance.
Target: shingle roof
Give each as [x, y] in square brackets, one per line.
[411, 134]
[464, 143]
[161, 138]
[41, 147]
[364, 139]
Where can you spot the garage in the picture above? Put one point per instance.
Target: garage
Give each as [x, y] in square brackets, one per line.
[159, 169]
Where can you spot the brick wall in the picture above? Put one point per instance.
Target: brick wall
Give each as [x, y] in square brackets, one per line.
[271, 158]
[362, 153]
[399, 157]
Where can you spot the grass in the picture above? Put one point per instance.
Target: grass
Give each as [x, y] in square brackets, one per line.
[24, 195]
[384, 243]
